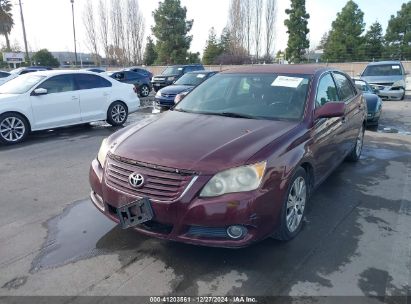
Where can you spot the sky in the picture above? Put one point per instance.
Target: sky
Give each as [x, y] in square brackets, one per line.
[49, 22]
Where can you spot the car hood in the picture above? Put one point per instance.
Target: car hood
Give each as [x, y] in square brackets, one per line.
[382, 79]
[165, 76]
[9, 97]
[176, 89]
[202, 143]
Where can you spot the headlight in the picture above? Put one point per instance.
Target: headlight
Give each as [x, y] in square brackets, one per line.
[398, 84]
[158, 94]
[171, 78]
[241, 179]
[102, 153]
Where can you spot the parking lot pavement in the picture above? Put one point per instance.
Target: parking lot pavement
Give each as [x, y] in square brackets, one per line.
[356, 239]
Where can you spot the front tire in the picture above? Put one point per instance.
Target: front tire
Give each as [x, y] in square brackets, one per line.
[294, 206]
[355, 154]
[14, 128]
[117, 114]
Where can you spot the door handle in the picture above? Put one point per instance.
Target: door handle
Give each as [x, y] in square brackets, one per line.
[74, 97]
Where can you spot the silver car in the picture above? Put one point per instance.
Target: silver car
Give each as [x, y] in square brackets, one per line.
[387, 77]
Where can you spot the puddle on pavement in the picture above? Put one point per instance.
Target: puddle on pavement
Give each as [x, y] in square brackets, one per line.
[393, 130]
[72, 236]
[383, 154]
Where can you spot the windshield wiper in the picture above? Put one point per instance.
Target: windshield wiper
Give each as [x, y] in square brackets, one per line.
[234, 115]
[181, 110]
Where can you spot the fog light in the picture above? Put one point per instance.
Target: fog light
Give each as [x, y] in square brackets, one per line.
[236, 232]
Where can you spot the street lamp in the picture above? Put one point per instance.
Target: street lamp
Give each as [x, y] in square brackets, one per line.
[74, 33]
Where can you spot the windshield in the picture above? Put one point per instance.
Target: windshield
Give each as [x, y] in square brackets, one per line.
[383, 70]
[21, 84]
[256, 96]
[173, 71]
[191, 79]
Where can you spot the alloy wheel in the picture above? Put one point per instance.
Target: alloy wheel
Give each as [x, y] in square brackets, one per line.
[145, 91]
[12, 129]
[118, 113]
[297, 198]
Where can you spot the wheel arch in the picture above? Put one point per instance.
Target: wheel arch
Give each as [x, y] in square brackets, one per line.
[21, 114]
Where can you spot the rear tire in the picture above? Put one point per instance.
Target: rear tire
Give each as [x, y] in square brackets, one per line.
[294, 207]
[14, 128]
[355, 154]
[117, 114]
[144, 90]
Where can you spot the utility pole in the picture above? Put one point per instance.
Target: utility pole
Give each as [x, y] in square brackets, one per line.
[74, 32]
[24, 32]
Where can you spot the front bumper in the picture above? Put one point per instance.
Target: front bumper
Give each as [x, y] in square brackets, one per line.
[392, 94]
[194, 220]
[159, 85]
[163, 102]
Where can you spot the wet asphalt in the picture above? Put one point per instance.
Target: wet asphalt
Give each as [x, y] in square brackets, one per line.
[356, 239]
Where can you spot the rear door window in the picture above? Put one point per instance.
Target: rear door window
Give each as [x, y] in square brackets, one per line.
[87, 82]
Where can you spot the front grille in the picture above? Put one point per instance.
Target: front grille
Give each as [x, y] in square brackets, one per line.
[156, 227]
[210, 232]
[160, 183]
[168, 95]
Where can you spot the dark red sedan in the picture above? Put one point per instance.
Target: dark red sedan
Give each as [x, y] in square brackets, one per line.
[236, 160]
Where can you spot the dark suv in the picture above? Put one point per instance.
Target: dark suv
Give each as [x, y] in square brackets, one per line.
[172, 73]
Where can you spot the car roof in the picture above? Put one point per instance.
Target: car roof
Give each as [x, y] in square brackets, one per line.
[49, 73]
[308, 69]
[202, 72]
[385, 62]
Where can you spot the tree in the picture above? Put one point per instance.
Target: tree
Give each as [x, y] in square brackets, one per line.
[236, 26]
[194, 57]
[104, 25]
[91, 33]
[45, 58]
[212, 50]
[6, 20]
[323, 41]
[258, 15]
[136, 30]
[345, 42]
[117, 30]
[297, 25]
[171, 30]
[248, 13]
[374, 42]
[398, 34]
[270, 16]
[150, 54]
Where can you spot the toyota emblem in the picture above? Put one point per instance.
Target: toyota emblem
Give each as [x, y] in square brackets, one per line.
[136, 180]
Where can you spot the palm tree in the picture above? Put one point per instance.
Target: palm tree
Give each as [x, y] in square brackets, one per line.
[6, 20]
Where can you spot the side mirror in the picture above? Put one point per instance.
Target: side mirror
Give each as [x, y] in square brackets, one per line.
[39, 91]
[330, 109]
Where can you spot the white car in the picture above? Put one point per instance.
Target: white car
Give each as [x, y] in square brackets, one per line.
[52, 99]
[6, 76]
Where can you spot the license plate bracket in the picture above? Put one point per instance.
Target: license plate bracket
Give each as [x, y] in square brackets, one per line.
[135, 213]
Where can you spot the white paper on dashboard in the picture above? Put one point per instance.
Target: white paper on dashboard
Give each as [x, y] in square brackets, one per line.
[285, 81]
